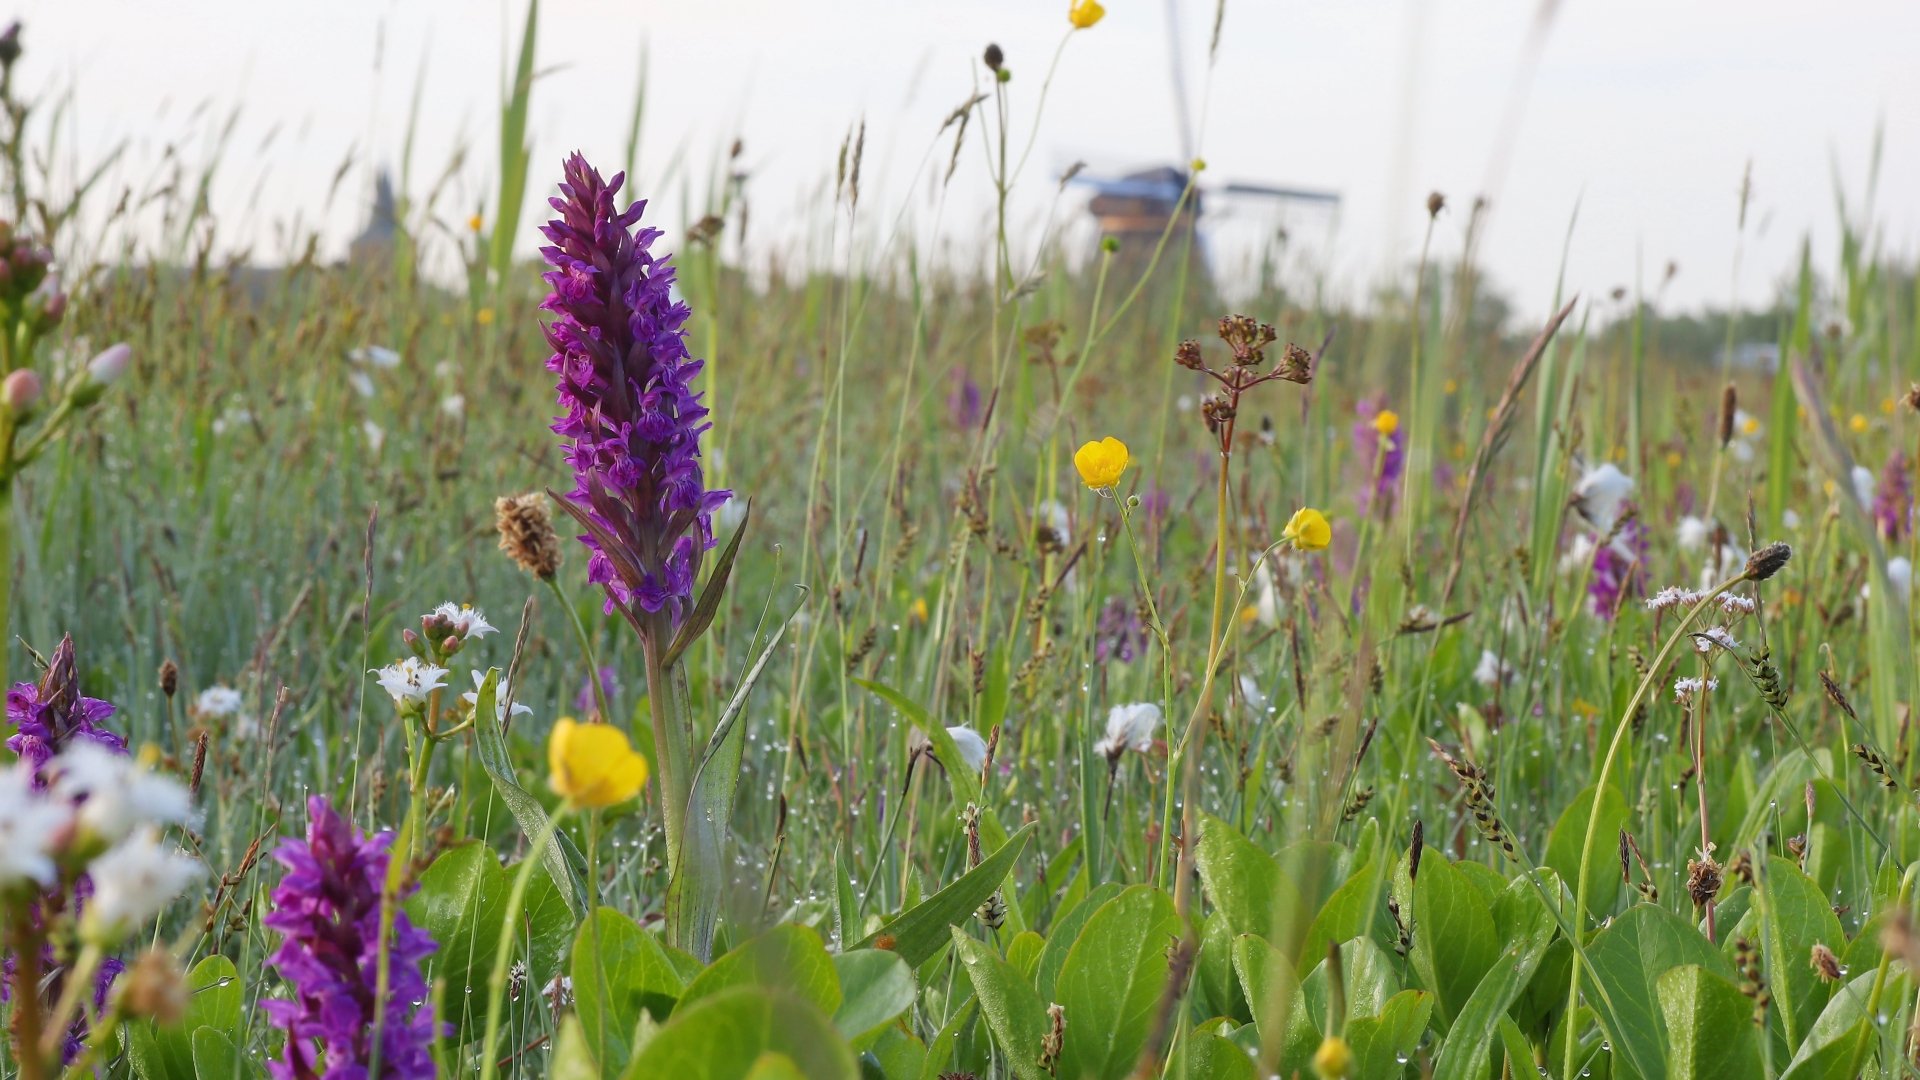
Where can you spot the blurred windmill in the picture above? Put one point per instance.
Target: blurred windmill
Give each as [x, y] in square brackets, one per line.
[1136, 208]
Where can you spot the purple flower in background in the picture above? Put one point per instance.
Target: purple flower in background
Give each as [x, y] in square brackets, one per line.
[963, 404]
[50, 714]
[1893, 500]
[1377, 444]
[1616, 568]
[327, 911]
[631, 415]
[1119, 632]
[583, 702]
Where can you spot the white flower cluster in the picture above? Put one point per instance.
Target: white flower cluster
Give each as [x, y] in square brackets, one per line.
[1685, 688]
[101, 814]
[1674, 596]
[1705, 640]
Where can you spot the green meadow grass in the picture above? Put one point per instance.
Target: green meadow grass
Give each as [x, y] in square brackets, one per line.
[240, 507]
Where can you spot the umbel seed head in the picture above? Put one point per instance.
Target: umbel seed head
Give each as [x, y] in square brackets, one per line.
[1768, 561]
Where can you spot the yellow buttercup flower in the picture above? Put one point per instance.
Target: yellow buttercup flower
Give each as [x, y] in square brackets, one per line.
[1085, 13]
[1386, 421]
[1101, 463]
[1308, 530]
[1450, 387]
[484, 316]
[593, 765]
[918, 611]
[1858, 424]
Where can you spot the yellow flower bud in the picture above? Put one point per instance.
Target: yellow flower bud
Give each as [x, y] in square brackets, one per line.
[1334, 1059]
[1308, 530]
[1085, 13]
[593, 765]
[1101, 463]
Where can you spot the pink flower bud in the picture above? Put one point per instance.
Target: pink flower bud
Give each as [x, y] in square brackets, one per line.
[109, 366]
[22, 390]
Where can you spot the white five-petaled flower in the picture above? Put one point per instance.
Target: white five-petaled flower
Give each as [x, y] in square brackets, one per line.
[218, 702]
[410, 680]
[1705, 640]
[30, 825]
[1600, 493]
[1492, 669]
[1129, 727]
[1685, 688]
[132, 882]
[113, 794]
[502, 693]
[465, 620]
[973, 748]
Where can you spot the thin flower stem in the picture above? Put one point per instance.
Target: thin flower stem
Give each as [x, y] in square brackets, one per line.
[79, 978]
[516, 900]
[586, 649]
[1606, 772]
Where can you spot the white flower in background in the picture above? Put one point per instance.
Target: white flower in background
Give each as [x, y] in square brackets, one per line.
[114, 793]
[1256, 698]
[1600, 493]
[1705, 640]
[731, 514]
[454, 405]
[361, 382]
[1899, 575]
[1692, 533]
[217, 702]
[446, 369]
[1129, 727]
[410, 680]
[1492, 670]
[1714, 571]
[1790, 519]
[1579, 553]
[464, 620]
[232, 418]
[377, 356]
[1863, 485]
[1685, 688]
[1266, 596]
[132, 882]
[1746, 431]
[30, 823]
[376, 435]
[501, 694]
[973, 748]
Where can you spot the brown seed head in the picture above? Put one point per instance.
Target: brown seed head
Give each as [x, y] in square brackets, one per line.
[1768, 561]
[1825, 963]
[1296, 365]
[526, 533]
[1436, 202]
[169, 677]
[1703, 879]
[155, 989]
[1729, 402]
[1912, 400]
[1187, 355]
[994, 58]
[1248, 338]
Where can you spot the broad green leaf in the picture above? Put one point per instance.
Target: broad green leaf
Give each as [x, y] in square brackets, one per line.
[1213, 969]
[1064, 932]
[1023, 952]
[899, 1053]
[1709, 1022]
[1212, 1057]
[1247, 884]
[1796, 916]
[1454, 942]
[214, 999]
[1382, 1045]
[1836, 1059]
[1531, 928]
[1016, 1016]
[789, 957]
[875, 987]
[1841, 1038]
[726, 1035]
[216, 1058]
[634, 975]
[1112, 983]
[461, 901]
[1273, 993]
[572, 1060]
[919, 932]
[1628, 958]
[1570, 832]
[1357, 908]
[1369, 977]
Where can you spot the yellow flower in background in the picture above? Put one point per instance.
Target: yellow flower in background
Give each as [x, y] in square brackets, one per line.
[1751, 427]
[918, 611]
[484, 316]
[1386, 421]
[1858, 424]
[1249, 615]
[1101, 463]
[1308, 530]
[474, 223]
[1334, 1059]
[1085, 13]
[1450, 387]
[593, 765]
[1887, 405]
[1673, 459]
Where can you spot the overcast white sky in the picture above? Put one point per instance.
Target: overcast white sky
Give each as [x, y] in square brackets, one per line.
[1643, 113]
